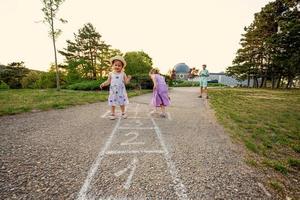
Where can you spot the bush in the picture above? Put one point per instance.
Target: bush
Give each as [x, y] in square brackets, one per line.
[140, 81]
[30, 80]
[184, 83]
[86, 85]
[48, 80]
[3, 86]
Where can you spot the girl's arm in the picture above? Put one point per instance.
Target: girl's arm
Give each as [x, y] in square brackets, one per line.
[127, 78]
[107, 82]
[153, 80]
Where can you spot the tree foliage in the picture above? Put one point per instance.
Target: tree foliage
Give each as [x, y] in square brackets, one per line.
[87, 56]
[138, 62]
[12, 74]
[270, 47]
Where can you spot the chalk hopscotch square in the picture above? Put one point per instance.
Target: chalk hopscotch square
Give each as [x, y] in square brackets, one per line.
[136, 123]
[135, 140]
[128, 177]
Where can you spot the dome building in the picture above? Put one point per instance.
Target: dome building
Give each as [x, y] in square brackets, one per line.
[182, 71]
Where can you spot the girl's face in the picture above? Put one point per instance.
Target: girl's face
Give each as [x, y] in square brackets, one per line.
[117, 66]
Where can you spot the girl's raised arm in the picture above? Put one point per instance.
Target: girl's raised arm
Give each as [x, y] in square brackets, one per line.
[127, 78]
[107, 82]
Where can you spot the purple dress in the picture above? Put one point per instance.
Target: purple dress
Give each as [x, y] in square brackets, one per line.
[160, 93]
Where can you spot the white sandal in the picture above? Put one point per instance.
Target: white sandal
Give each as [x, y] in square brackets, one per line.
[124, 116]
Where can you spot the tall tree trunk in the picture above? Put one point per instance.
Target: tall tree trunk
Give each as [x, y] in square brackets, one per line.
[273, 81]
[272, 78]
[262, 82]
[290, 81]
[278, 81]
[248, 82]
[55, 52]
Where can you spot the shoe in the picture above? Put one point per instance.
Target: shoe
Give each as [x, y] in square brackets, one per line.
[200, 96]
[112, 117]
[163, 115]
[124, 116]
[207, 97]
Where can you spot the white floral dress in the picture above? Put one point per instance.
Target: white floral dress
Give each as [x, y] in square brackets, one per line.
[117, 90]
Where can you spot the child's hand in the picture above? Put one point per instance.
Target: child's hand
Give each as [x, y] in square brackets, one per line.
[129, 77]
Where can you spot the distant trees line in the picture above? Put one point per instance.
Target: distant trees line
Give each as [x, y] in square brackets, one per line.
[270, 52]
[86, 58]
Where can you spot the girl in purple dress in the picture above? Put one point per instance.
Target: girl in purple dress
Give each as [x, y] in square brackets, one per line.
[160, 97]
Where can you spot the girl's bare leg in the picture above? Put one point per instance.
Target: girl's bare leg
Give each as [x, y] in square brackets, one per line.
[122, 109]
[123, 112]
[113, 110]
[112, 115]
[163, 111]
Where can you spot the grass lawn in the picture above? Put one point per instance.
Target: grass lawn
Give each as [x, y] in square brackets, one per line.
[267, 122]
[24, 100]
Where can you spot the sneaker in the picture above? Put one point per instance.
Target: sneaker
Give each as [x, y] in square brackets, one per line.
[112, 117]
[200, 96]
[124, 116]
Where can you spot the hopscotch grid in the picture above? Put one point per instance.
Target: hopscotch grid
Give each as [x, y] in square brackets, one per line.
[135, 128]
[135, 152]
[180, 189]
[96, 164]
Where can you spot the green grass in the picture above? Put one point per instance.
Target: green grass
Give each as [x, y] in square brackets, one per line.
[276, 185]
[267, 122]
[15, 101]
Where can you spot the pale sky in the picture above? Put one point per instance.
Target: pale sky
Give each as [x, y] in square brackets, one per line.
[170, 31]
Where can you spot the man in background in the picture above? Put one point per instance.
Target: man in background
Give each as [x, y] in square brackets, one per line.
[204, 74]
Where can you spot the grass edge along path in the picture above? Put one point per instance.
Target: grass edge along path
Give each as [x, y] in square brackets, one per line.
[267, 123]
[16, 101]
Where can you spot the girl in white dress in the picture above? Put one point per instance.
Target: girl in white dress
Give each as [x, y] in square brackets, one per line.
[117, 90]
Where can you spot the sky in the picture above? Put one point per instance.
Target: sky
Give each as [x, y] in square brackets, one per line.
[194, 32]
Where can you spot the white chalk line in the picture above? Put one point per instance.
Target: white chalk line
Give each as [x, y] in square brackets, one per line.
[136, 128]
[131, 166]
[151, 113]
[136, 110]
[130, 140]
[135, 152]
[179, 187]
[128, 181]
[95, 165]
[169, 116]
[105, 114]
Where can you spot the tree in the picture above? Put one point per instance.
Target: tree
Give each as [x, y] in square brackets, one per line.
[138, 62]
[50, 9]
[30, 80]
[88, 55]
[13, 73]
[270, 46]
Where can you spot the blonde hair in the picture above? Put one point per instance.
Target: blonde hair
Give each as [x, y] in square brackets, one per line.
[154, 71]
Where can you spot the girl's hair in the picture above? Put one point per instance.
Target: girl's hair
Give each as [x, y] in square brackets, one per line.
[117, 60]
[154, 71]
